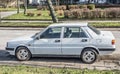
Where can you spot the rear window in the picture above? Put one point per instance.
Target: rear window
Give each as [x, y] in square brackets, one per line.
[94, 30]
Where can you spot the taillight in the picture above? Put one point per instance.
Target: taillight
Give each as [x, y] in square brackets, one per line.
[113, 42]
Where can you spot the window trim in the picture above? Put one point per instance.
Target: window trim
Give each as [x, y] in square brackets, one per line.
[51, 38]
[75, 27]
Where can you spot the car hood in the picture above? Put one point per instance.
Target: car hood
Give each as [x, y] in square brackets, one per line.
[23, 39]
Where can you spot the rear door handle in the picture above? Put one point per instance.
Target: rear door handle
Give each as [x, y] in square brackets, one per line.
[57, 41]
[84, 40]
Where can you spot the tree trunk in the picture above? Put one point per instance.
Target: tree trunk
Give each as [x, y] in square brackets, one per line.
[18, 6]
[67, 5]
[52, 12]
[88, 1]
[0, 16]
[58, 2]
[25, 6]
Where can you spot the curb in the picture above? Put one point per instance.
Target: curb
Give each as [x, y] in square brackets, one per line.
[41, 28]
[20, 28]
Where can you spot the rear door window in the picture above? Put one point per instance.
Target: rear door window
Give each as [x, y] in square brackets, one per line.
[74, 32]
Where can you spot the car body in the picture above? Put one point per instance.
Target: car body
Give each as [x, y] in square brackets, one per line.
[64, 40]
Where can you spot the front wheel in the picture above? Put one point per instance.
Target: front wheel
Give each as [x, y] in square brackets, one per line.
[89, 56]
[23, 54]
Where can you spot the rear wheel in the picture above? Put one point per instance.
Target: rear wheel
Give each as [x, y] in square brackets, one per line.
[89, 56]
[23, 54]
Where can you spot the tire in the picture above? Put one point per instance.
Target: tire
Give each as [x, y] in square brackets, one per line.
[23, 54]
[89, 56]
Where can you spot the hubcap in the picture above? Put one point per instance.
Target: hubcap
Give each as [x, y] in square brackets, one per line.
[89, 56]
[22, 54]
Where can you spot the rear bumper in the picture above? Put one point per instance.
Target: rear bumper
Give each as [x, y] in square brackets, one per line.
[106, 51]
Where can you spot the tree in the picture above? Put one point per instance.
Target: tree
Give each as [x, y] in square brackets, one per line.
[67, 5]
[5, 3]
[89, 1]
[52, 12]
[25, 6]
[0, 16]
[18, 6]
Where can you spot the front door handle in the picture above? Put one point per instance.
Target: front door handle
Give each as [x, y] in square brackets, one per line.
[57, 41]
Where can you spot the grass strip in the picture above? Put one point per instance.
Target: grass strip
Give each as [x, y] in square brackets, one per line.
[106, 24]
[45, 24]
[37, 70]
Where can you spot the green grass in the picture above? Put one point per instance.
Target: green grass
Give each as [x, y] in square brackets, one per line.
[23, 24]
[106, 24]
[45, 15]
[39, 24]
[38, 70]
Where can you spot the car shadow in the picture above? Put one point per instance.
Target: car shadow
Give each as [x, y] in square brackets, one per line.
[57, 59]
[5, 56]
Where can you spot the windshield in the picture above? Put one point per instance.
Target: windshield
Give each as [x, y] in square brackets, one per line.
[35, 34]
[94, 29]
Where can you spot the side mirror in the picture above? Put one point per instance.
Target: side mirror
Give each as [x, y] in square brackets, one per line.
[37, 38]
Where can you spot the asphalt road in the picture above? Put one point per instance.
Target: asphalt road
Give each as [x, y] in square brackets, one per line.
[8, 13]
[6, 35]
[5, 58]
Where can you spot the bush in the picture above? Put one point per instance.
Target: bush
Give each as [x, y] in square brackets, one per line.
[56, 8]
[82, 6]
[95, 14]
[62, 7]
[73, 7]
[113, 12]
[77, 13]
[91, 6]
[39, 13]
[67, 14]
[30, 14]
[60, 12]
[86, 13]
[39, 8]
[42, 8]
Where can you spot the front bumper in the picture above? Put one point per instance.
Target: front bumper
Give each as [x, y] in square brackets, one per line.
[11, 51]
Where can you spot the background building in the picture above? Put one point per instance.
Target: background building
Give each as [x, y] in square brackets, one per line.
[62, 2]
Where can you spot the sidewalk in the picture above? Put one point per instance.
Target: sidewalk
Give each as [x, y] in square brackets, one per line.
[8, 13]
[32, 28]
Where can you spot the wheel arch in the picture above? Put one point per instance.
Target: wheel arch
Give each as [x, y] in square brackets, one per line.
[22, 46]
[95, 49]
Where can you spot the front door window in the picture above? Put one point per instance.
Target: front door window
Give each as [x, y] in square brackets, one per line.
[52, 33]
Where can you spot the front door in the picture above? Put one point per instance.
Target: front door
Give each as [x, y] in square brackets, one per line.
[74, 40]
[49, 42]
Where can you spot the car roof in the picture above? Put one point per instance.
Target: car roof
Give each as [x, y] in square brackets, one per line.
[68, 24]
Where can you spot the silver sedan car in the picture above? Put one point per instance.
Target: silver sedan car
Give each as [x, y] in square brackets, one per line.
[64, 40]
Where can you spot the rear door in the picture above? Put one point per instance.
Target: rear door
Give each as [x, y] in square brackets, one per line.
[74, 40]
